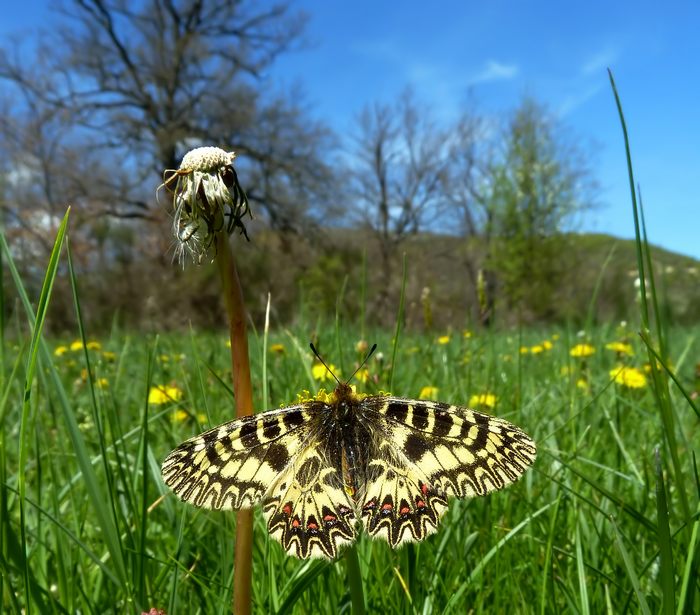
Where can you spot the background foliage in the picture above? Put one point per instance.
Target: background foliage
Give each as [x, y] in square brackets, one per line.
[489, 203]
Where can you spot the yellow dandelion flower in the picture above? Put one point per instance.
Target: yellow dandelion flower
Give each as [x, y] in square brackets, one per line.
[76, 345]
[201, 418]
[93, 345]
[302, 397]
[428, 393]
[362, 375]
[443, 339]
[467, 333]
[582, 383]
[60, 351]
[620, 348]
[537, 349]
[659, 367]
[547, 345]
[179, 416]
[582, 350]
[319, 372]
[102, 383]
[278, 349]
[524, 350]
[109, 356]
[487, 400]
[629, 377]
[162, 394]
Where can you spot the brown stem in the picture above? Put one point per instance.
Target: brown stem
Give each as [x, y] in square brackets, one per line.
[243, 393]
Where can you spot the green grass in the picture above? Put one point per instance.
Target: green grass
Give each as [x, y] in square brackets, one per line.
[607, 521]
[598, 523]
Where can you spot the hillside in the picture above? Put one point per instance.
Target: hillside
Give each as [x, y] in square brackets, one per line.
[309, 276]
[315, 269]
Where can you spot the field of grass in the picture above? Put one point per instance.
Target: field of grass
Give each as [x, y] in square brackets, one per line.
[606, 521]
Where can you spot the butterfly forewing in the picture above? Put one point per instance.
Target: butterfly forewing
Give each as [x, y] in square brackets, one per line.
[461, 452]
[235, 465]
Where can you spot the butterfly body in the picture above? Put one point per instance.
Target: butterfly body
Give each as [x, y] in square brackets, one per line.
[320, 467]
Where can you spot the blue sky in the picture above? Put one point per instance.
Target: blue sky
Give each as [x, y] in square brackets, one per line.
[362, 51]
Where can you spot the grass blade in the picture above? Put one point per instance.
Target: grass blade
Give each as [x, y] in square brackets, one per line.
[629, 566]
[96, 496]
[664, 534]
[37, 323]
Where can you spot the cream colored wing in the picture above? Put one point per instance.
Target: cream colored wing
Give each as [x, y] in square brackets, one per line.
[235, 464]
[308, 510]
[429, 451]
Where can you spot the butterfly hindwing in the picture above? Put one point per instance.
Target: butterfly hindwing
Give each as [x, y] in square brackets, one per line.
[309, 512]
[235, 465]
[399, 505]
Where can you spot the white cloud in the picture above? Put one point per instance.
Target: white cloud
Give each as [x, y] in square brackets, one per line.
[495, 71]
[579, 98]
[598, 62]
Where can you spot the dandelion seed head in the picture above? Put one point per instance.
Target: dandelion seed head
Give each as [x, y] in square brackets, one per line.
[207, 159]
[207, 200]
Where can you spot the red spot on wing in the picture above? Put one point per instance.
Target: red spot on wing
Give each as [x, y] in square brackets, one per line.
[287, 509]
[295, 522]
[329, 518]
[371, 505]
[424, 488]
[387, 506]
[311, 525]
[420, 503]
[404, 510]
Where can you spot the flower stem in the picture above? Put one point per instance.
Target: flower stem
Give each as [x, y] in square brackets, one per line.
[243, 393]
[357, 597]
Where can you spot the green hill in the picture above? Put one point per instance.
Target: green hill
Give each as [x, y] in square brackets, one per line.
[309, 276]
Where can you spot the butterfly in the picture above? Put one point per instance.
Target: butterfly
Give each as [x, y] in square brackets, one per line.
[321, 467]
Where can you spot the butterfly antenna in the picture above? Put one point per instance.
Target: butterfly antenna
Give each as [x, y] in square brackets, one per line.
[318, 356]
[369, 354]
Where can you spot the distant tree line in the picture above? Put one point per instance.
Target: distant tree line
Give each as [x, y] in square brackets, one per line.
[118, 91]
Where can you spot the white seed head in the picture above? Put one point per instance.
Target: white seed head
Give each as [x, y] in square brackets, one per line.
[206, 159]
[207, 200]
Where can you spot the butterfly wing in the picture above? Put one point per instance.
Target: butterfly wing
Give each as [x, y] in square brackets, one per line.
[235, 464]
[309, 512]
[271, 458]
[428, 452]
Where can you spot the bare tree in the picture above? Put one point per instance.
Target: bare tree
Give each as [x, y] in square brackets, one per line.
[471, 153]
[119, 90]
[140, 83]
[401, 163]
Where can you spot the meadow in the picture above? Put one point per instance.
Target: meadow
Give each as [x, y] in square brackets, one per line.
[606, 521]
